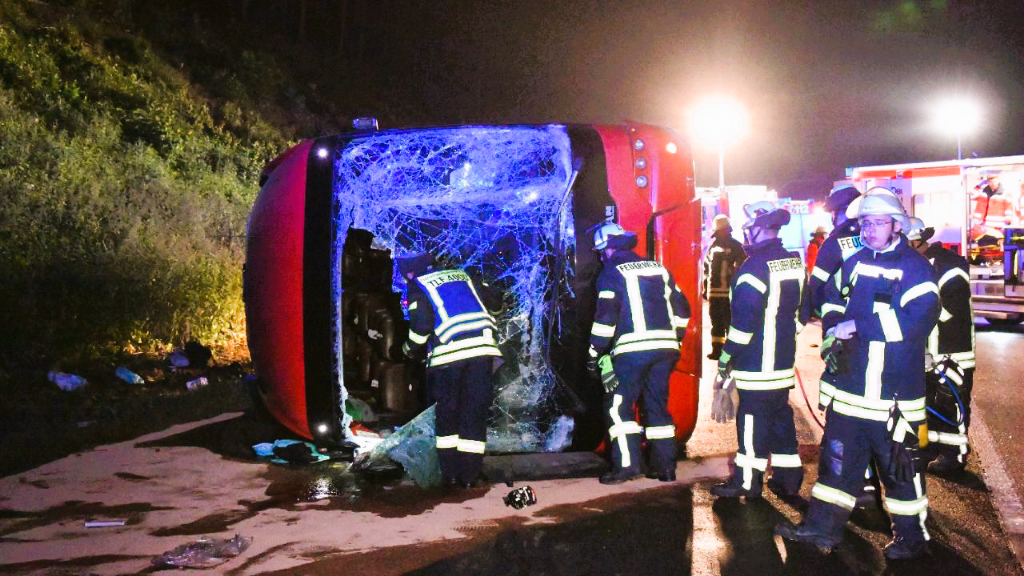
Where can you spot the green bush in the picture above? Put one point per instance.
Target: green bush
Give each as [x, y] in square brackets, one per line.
[123, 193]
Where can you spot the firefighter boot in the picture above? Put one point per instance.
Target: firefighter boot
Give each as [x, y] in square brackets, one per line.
[716, 351]
[945, 464]
[619, 476]
[899, 548]
[733, 489]
[662, 475]
[804, 533]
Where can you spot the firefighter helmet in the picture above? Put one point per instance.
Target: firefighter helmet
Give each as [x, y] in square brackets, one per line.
[722, 222]
[764, 214]
[879, 201]
[611, 235]
[840, 198]
[917, 230]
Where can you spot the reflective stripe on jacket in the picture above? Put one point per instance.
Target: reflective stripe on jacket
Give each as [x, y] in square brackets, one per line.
[954, 333]
[894, 300]
[766, 316]
[639, 307]
[445, 312]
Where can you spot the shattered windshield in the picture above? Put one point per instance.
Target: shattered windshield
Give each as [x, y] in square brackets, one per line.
[493, 201]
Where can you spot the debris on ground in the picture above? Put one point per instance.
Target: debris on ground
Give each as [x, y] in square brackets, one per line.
[359, 410]
[177, 359]
[204, 553]
[412, 446]
[128, 376]
[289, 452]
[521, 498]
[104, 523]
[67, 382]
[197, 383]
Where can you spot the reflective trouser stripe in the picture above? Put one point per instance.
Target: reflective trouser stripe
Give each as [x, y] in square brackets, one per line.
[916, 507]
[471, 446]
[947, 438]
[833, 496]
[746, 459]
[619, 430]
[786, 461]
[660, 432]
[447, 441]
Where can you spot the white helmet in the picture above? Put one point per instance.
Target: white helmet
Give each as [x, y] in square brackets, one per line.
[721, 222]
[918, 230]
[879, 201]
[610, 230]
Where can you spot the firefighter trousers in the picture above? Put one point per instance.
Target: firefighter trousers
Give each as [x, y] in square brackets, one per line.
[767, 434]
[950, 437]
[463, 393]
[642, 376]
[847, 447]
[721, 316]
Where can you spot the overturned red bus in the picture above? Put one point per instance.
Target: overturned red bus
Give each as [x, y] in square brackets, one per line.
[510, 204]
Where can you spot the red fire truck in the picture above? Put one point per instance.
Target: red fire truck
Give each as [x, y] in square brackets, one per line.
[513, 205]
[952, 197]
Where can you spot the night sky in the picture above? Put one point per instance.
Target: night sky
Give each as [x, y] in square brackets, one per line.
[827, 84]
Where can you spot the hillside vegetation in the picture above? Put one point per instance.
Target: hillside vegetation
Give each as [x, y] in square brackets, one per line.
[126, 176]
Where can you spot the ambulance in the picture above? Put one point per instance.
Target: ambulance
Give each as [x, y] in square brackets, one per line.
[987, 229]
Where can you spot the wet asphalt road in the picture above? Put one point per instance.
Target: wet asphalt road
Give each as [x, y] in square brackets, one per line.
[577, 528]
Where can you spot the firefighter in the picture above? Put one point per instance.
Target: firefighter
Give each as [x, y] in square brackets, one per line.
[447, 318]
[724, 256]
[843, 242]
[950, 358]
[758, 359]
[992, 209]
[813, 246]
[877, 322]
[639, 322]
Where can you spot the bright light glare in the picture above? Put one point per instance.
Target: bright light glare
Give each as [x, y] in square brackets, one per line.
[956, 116]
[718, 120]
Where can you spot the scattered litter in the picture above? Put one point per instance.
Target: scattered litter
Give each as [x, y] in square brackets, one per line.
[374, 383]
[204, 553]
[67, 382]
[197, 383]
[128, 376]
[289, 452]
[373, 334]
[86, 423]
[178, 359]
[359, 410]
[521, 498]
[103, 523]
[412, 446]
[198, 355]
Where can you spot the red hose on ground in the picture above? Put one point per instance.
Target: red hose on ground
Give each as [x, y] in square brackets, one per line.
[814, 414]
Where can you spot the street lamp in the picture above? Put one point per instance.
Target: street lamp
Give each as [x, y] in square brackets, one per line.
[718, 121]
[957, 116]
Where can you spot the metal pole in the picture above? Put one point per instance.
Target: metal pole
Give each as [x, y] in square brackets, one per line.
[958, 155]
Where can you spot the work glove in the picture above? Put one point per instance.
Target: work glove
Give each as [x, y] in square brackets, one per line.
[904, 449]
[726, 401]
[608, 378]
[835, 354]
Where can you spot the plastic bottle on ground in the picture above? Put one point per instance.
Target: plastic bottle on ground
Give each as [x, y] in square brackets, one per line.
[66, 382]
[128, 376]
[197, 383]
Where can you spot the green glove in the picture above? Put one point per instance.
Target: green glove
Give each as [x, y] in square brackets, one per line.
[608, 378]
[833, 352]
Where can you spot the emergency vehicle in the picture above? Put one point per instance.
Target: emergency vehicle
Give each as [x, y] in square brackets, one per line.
[949, 196]
[515, 205]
